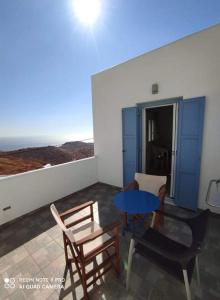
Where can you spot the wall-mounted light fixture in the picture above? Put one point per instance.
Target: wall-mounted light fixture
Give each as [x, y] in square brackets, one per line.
[155, 88]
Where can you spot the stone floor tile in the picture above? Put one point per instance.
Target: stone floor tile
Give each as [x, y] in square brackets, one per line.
[53, 296]
[37, 243]
[59, 240]
[27, 268]
[17, 255]
[54, 232]
[47, 254]
[18, 295]
[57, 269]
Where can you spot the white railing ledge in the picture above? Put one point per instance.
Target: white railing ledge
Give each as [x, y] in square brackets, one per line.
[27, 173]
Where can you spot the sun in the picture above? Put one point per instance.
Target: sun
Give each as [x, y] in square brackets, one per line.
[87, 11]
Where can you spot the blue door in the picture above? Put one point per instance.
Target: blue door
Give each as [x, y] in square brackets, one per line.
[189, 146]
[130, 143]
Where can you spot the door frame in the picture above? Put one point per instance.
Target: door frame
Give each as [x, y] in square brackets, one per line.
[151, 104]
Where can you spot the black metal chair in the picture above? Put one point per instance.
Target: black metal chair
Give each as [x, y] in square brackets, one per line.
[176, 258]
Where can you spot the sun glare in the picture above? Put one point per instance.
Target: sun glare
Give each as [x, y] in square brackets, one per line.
[87, 11]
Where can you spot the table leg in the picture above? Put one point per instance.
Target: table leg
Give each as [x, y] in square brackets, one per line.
[124, 222]
[125, 219]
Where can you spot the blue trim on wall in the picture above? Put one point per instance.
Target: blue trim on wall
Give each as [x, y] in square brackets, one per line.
[130, 130]
[189, 201]
[139, 139]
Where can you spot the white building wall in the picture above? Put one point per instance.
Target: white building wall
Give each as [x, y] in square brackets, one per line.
[28, 191]
[189, 67]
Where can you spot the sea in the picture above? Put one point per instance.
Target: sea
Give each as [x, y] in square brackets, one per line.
[15, 143]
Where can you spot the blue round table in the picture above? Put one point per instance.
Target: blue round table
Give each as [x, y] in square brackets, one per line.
[136, 202]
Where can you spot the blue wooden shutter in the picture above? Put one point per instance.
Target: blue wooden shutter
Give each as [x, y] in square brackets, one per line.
[130, 143]
[189, 146]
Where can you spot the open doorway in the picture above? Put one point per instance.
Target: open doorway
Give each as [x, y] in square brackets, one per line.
[159, 143]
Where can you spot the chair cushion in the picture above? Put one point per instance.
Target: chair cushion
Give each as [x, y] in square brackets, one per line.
[162, 242]
[84, 229]
[150, 183]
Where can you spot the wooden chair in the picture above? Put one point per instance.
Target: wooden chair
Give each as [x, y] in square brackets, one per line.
[153, 184]
[86, 240]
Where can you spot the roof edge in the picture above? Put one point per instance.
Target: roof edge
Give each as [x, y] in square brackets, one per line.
[156, 49]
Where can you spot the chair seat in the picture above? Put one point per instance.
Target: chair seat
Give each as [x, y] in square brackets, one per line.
[86, 228]
[162, 242]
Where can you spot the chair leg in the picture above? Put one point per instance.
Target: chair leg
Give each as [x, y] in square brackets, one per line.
[186, 281]
[117, 252]
[86, 295]
[125, 223]
[118, 269]
[197, 271]
[81, 272]
[130, 255]
[65, 249]
[153, 220]
[159, 218]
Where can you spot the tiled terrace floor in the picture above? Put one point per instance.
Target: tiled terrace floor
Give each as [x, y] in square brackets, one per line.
[32, 248]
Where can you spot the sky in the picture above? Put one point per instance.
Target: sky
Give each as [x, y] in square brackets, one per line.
[47, 56]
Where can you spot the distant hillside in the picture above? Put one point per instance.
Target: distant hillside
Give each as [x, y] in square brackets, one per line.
[72, 146]
[12, 162]
[79, 150]
[12, 165]
[47, 155]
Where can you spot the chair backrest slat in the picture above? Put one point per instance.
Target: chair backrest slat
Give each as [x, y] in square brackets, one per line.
[60, 223]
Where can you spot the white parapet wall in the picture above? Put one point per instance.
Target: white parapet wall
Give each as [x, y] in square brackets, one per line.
[28, 191]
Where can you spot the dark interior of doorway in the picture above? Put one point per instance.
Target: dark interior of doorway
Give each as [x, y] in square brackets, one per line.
[159, 136]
